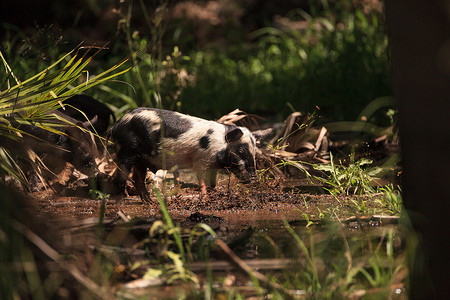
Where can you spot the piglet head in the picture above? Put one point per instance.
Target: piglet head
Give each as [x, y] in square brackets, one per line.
[239, 155]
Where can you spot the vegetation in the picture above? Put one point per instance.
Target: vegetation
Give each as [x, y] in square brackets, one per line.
[338, 63]
[33, 101]
[332, 56]
[331, 59]
[348, 179]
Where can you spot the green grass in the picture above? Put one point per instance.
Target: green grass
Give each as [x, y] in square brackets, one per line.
[355, 181]
[340, 67]
[391, 198]
[348, 178]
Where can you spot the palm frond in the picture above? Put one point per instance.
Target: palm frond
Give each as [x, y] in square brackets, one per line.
[34, 100]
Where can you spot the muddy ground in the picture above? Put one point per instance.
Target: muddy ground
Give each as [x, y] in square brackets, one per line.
[237, 205]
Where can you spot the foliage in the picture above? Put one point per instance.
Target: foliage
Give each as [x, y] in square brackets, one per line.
[311, 276]
[355, 178]
[338, 62]
[28, 54]
[173, 255]
[348, 179]
[33, 101]
[13, 249]
[156, 79]
[339, 265]
[391, 198]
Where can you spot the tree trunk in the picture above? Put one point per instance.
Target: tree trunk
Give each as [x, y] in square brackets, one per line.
[420, 44]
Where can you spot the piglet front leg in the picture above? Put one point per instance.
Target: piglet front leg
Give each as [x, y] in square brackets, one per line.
[139, 174]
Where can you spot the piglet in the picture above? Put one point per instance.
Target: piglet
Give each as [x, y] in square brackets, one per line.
[150, 138]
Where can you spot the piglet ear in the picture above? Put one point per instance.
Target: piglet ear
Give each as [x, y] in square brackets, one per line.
[233, 135]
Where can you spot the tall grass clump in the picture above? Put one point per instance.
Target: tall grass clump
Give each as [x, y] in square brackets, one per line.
[338, 61]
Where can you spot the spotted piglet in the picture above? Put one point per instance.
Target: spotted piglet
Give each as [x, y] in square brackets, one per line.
[150, 138]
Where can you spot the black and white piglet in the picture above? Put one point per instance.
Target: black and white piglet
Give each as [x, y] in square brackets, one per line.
[149, 138]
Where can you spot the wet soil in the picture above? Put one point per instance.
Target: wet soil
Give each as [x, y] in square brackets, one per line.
[230, 209]
[236, 204]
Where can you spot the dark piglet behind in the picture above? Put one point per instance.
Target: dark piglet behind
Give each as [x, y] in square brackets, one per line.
[97, 112]
[75, 145]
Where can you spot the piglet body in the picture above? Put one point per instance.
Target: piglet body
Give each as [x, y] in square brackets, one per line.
[149, 138]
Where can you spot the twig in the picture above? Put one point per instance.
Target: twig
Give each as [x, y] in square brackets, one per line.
[322, 133]
[123, 216]
[201, 266]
